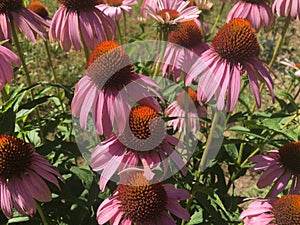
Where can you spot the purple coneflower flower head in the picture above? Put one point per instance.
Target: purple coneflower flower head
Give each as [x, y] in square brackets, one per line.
[7, 58]
[13, 12]
[258, 13]
[114, 8]
[184, 48]
[280, 211]
[143, 142]
[81, 18]
[172, 12]
[109, 71]
[22, 177]
[180, 107]
[204, 5]
[234, 50]
[280, 167]
[289, 64]
[140, 201]
[285, 8]
[39, 9]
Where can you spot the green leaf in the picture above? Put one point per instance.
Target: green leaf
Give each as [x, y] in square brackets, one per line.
[86, 176]
[196, 218]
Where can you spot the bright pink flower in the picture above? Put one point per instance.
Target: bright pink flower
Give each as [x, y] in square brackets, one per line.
[287, 8]
[140, 201]
[172, 12]
[22, 177]
[114, 8]
[234, 50]
[179, 109]
[7, 58]
[26, 20]
[76, 18]
[279, 211]
[183, 49]
[143, 141]
[280, 167]
[259, 14]
[109, 71]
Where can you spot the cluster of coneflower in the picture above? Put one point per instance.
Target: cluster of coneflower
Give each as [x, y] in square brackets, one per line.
[134, 142]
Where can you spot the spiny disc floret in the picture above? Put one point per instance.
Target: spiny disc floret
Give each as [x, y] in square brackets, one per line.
[140, 119]
[290, 157]
[80, 4]
[286, 210]
[109, 66]
[10, 5]
[15, 156]
[236, 41]
[140, 200]
[187, 34]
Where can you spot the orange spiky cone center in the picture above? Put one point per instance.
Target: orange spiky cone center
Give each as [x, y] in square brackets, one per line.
[236, 41]
[114, 2]
[110, 66]
[189, 97]
[171, 12]
[187, 34]
[139, 121]
[38, 8]
[140, 200]
[15, 156]
[286, 210]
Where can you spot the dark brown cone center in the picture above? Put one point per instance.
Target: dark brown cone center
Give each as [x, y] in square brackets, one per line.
[286, 210]
[15, 156]
[290, 157]
[236, 41]
[80, 4]
[141, 201]
[10, 5]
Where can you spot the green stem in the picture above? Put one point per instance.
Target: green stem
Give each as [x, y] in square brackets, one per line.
[203, 161]
[41, 213]
[4, 95]
[280, 39]
[163, 38]
[209, 141]
[119, 32]
[53, 72]
[22, 58]
[125, 23]
[217, 19]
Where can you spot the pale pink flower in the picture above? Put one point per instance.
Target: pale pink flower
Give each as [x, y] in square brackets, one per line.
[172, 12]
[279, 211]
[25, 20]
[285, 8]
[143, 141]
[234, 51]
[114, 8]
[280, 167]
[183, 113]
[259, 14]
[22, 177]
[80, 20]
[140, 201]
[295, 66]
[102, 91]
[7, 58]
[183, 48]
